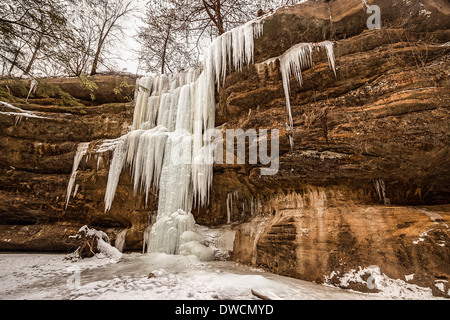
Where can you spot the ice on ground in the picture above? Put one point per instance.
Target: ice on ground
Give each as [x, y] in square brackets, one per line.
[389, 288]
[48, 276]
[409, 277]
[440, 285]
[202, 252]
[108, 251]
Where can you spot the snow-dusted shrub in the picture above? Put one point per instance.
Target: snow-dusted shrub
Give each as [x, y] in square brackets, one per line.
[94, 243]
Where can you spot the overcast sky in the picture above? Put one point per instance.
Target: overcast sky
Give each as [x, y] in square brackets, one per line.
[126, 56]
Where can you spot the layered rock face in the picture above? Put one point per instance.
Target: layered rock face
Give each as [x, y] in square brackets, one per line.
[366, 182]
[369, 144]
[36, 161]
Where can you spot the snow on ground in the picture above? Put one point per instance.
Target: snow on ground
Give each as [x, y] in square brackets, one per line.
[390, 288]
[51, 276]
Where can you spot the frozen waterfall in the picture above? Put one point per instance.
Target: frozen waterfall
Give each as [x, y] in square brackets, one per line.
[168, 149]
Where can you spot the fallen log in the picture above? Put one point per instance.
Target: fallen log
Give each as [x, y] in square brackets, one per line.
[262, 297]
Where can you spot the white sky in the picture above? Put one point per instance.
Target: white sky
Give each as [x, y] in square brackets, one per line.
[128, 49]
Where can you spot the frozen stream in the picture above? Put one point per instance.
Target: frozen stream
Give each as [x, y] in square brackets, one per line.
[50, 276]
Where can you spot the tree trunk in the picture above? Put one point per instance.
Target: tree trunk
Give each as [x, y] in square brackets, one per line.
[33, 57]
[97, 53]
[95, 63]
[219, 20]
[163, 56]
[13, 63]
[216, 18]
[3, 68]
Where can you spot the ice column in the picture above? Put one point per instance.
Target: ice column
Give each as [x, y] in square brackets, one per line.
[168, 150]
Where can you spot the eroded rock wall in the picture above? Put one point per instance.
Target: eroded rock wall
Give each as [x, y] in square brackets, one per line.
[381, 122]
[36, 162]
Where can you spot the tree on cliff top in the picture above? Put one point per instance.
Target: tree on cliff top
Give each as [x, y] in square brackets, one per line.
[106, 16]
[73, 34]
[28, 28]
[176, 31]
[164, 40]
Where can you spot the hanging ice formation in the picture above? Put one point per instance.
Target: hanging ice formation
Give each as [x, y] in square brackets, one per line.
[168, 150]
[120, 240]
[292, 62]
[81, 151]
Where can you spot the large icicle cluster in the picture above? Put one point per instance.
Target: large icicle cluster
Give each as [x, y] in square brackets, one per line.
[168, 149]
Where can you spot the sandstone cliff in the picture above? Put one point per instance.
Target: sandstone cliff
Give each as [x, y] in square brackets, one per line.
[367, 182]
[383, 119]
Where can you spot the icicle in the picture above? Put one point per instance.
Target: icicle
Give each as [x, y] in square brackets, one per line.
[202, 172]
[164, 110]
[184, 115]
[258, 28]
[238, 38]
[229, 206]
[291, 63]
[380, 187]
[248, 41]
[152, 113]
[226, 53]
[163, 84]
[120, 240]
[330, 54]
[144, 86]
[81, 151]
[118, 160]
[132, 144]
[149, 159]
[99, 161]
[218, 59]
[173, 109]
[76, 190]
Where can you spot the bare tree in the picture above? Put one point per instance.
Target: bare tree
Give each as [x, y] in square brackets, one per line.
[50, 18]
[177, 30]
[215, 16]
[107, 15]
[28, 27]
[165, 45]
[95, 26]
[77, 57]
